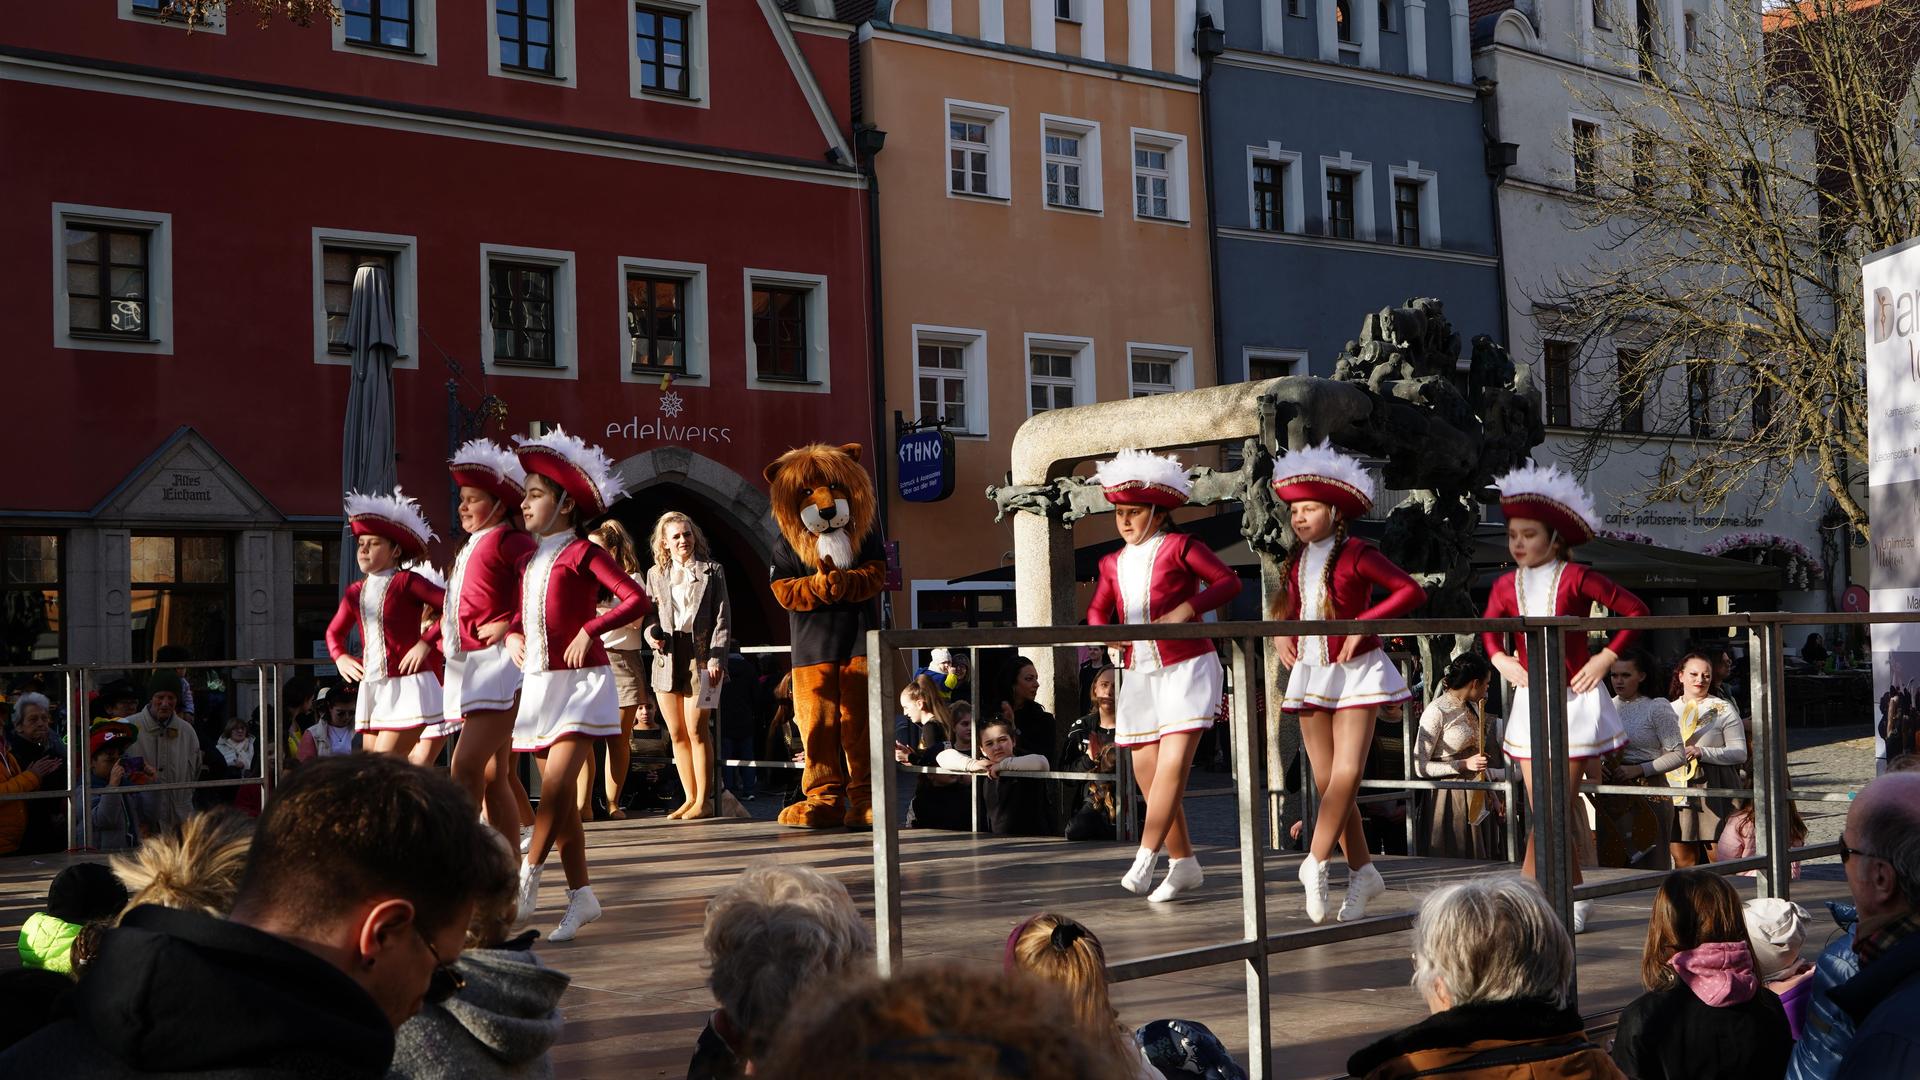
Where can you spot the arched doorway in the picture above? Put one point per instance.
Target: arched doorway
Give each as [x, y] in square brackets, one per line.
[734, 515]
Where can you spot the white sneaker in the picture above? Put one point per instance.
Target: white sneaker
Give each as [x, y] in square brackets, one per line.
[1139, 879]
[1314, 874]
[526, 838]
[1183, 876]
[582, 909]
[1580, 910]
[529, 892]
[1362, 885]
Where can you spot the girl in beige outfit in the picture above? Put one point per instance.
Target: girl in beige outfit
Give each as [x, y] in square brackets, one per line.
[689, 630]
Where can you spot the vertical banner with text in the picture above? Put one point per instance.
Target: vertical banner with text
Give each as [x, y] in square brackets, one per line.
[1890, 281]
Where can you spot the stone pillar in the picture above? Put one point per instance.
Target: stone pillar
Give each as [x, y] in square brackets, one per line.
[993, 20]
[1368, 15]
[1329, 32]
[1414, 19]
[115, 555]
[263, 588]
[1462, 45]
[1273, 20]
[1185, 60]
[1140, 33]
[1093, 30]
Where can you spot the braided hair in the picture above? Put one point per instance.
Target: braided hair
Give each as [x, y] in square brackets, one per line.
[1292, 567]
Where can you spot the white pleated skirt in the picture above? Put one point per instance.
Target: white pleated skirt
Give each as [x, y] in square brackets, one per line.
[1179, 697]
[484, 680]
[1593, 725]
[397, 702]
[570, 701]
[1366, 681]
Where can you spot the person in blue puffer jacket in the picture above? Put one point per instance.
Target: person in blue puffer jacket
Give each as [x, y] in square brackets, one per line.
[1828, 1029]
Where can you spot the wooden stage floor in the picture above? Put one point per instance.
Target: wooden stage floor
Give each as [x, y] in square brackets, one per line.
[639, 995]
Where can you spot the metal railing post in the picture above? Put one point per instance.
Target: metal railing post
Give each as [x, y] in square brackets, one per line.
[1409, 729]
[973, 736]
[1127, 827]
[79, 763]
[1772, 808]
[272, 744]
[886, 830]
[1249, 784]
[1552, 803]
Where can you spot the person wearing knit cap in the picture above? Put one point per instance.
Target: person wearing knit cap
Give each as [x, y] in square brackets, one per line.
[1169, 690]
[567, 696]
[1548, 515]
[1338, 683]
[168, 745]
[399, 666]
[81, 894]
[482, 688]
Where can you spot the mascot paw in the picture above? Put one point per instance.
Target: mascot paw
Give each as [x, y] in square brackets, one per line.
[816, 815]
[860, 817]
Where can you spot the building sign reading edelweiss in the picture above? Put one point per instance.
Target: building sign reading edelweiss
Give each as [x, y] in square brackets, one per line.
[1890, 281]
[665, 429]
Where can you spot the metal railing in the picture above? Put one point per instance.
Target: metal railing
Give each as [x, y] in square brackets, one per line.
[1549, 811]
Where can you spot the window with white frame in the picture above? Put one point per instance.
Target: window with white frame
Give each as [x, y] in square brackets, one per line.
[976, 150]
[168, 13]
[528, 301]
[787, 331]
[1059, 372]
[1158, 369]
[112, 279]
[1070, 163]
[1416, 205]
[1346, 198]
[1067, 10]
[533, 40]
[949, 376]
[667, 51]
[1270, 363]
[1585, 145]
[1273, 189]
[397, 29]
[338, 255]
[1159, 176]
[663, 320]
[1387, 23]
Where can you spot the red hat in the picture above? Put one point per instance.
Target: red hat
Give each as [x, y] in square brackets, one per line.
[396, 517]
[485, 464]
[107, 735]
[584, 472]
[1546, 494]
[1137, 478]
[1325, 475]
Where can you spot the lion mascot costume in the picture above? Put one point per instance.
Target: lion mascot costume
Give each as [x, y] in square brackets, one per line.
[828, 577]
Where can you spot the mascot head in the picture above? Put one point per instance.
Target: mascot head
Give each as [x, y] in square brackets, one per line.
[823, 501]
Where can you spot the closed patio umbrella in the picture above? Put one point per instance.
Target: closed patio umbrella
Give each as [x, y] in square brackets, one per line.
[366, 459]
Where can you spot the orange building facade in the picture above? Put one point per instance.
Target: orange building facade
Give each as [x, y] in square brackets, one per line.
[1043, 244]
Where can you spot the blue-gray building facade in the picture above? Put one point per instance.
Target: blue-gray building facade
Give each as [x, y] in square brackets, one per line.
[1349, 173]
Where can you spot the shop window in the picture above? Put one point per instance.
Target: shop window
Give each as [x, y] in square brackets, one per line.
[182, 595]
[30, 598]
[316, 591]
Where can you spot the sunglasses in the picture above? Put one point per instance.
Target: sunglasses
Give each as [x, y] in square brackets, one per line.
[446, 982]
[1847, 853]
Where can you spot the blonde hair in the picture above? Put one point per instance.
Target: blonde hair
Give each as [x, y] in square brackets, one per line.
[196, 869]
[701, 553]
[619, 543]
[923, 691]
[1064, 953]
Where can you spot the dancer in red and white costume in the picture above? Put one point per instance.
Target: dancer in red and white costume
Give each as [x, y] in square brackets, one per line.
[1169, 690]
[567, 698]
[398, 669]
[1549, 514]
[1338, 682]
[483, 596]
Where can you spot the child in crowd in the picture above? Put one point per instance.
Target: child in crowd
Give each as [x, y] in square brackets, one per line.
[1776, 929]
[82, 894]
[1010, 807]
[1169, 690]
[398, 668]
[1705, 1015]
[1340, 682]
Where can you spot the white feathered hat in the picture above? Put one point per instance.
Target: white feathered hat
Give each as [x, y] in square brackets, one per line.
[485, 464]
[1323, 474]
[1550, 495]
[1135, 477]
[396, 517]
[582, 471]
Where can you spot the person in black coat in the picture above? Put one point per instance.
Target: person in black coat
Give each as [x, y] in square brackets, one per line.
[1705, 1015]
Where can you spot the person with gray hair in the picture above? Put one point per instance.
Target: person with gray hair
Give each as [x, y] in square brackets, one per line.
[772, 934]
[1496, 968]
[1880, 851]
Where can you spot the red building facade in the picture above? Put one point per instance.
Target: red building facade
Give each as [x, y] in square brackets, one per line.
[575, 199]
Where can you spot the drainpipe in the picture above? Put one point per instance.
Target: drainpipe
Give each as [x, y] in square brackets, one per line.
[1210, 41]
[868, 141]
